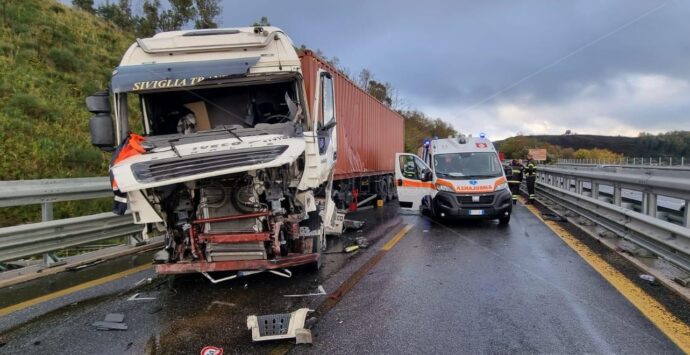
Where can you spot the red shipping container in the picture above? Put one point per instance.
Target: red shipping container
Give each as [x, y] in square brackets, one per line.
[369, 132]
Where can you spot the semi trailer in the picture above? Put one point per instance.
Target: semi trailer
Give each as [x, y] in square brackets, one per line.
[249, 151]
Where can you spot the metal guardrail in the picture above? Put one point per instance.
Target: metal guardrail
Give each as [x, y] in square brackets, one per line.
[38, 238]
[31, 192]
[45, 237]
[565, 186]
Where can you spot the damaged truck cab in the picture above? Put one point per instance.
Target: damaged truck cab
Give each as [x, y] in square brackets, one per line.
[232, 166]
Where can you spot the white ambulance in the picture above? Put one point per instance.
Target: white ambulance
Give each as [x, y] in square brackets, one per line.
[454, 178]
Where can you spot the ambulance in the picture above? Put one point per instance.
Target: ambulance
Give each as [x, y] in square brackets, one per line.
[454, 178]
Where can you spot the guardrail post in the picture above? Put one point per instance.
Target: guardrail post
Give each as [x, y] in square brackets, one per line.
[686, 214]
[595, 189]
[47, 215]
[617, 194]
[649, 203]
[578, 186]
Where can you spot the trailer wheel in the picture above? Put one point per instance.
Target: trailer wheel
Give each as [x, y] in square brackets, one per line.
[383, 192]
[391, 189]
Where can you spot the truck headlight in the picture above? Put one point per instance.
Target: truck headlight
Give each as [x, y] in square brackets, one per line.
[440, 187]
[501, 186]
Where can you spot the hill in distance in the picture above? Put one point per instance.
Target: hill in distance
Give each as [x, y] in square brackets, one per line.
[671, 144]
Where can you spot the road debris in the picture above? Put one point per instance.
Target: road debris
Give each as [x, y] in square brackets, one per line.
[112, 321]
[352, 224]
[362, 242]
[280, 326]
[211, 350]
[220, 303]
[135, 297]
[651, 279]
[320, 292]
[114, 317]
[351, 248]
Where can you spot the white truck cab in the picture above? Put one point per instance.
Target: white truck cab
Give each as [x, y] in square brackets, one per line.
[455, 178]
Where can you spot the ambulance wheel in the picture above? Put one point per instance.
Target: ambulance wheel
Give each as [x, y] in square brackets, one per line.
[504, 220]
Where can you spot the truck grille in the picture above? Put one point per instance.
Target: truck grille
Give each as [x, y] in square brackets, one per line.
[202, 163]
[483, 200]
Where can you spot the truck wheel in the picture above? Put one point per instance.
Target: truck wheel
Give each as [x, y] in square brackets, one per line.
[382, 190]
[504, 220]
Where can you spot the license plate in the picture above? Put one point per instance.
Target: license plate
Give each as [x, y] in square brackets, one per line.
[476, 212]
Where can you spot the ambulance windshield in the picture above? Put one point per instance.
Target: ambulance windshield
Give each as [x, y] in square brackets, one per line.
[475, 165]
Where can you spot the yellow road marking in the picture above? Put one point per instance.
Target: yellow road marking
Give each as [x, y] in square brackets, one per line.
[669, 324]
[73, 289]
[391, 243]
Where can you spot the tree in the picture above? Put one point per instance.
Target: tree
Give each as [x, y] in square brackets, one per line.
[147, 25]
[263, 22]
[379, 91]
[207, 11]
[86, 5]
[120, 14]
[179, 14]
[365, 75]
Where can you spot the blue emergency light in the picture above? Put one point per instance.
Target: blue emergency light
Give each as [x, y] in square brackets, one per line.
[482, 135]
[427, 142]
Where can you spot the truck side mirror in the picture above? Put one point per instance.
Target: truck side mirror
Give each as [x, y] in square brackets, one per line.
[330, 124]
[427, 175]
[102, 135]
[99, 102]
[101, 124]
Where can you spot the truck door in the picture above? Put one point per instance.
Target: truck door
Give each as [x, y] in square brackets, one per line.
[413, 180]
[326, 126]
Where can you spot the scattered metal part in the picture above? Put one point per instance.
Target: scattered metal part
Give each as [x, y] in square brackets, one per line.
[102, 325]
[278, 326]
[135, 297]
[320, 292]
[647, 277]
[114, 317]
[238, 274]
[284, 273]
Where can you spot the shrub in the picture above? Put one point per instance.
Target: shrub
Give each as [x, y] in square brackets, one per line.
[30, 106]
[64, 59]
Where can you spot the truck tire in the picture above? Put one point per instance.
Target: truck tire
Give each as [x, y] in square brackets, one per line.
[382, 187]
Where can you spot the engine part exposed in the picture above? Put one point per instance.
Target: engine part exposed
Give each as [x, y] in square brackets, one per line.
[249, 216]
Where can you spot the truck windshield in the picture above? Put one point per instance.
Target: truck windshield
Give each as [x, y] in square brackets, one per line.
[476, 165]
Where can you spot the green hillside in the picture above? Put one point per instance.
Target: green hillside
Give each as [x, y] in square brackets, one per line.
[51, 58]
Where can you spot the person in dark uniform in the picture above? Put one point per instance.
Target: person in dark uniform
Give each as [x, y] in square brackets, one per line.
[515, 179]
[530, 172]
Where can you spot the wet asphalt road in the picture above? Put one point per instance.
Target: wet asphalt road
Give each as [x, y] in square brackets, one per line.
[481, 288]
[457, 288]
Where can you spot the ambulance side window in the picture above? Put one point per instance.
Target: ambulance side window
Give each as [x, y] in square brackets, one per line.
[411, 167]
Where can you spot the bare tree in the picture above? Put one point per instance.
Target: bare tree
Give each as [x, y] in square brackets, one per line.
[364, 77]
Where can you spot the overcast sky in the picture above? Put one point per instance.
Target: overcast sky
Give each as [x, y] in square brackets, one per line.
[504, 67]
